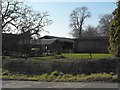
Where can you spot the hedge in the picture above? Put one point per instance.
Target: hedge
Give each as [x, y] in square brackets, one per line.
[70, 66]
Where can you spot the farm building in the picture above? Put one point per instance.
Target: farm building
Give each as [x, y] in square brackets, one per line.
[82, 45]
[11, 42]
[54, 45]
[91, 45]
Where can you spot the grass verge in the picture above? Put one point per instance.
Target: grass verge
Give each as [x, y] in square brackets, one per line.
[60, 77]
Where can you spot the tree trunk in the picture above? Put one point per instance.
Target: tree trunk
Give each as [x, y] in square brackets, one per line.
[80, 28]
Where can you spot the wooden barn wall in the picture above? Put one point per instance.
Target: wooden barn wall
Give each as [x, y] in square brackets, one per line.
[91, 46]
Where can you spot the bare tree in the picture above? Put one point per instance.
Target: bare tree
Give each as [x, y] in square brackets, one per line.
[11, 11]
[32, 21]
[22, 18]
[90, 31]
[24, 21]
[31, 24]
[77, 18]
[104, 24]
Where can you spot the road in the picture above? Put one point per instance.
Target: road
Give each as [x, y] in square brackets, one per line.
[36, 84]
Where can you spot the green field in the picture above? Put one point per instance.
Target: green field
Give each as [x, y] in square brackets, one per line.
[86, 55]
[72, 55]
[66, 55]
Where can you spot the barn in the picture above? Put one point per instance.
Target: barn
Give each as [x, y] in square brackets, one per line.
[54, 45]
[91, 44]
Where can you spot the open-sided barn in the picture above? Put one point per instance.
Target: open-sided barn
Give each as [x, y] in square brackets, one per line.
[54, 45]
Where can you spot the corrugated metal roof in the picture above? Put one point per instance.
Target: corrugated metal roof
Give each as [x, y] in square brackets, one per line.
[47, 41]
[43, 41]
[50, 41]
[65, 40]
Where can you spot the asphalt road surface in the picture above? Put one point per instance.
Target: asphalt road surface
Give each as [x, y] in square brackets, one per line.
[36, 84]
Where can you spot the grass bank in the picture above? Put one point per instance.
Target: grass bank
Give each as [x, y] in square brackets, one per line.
[61, 77]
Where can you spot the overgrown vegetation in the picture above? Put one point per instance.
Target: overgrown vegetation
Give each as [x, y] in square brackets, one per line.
[59, 76]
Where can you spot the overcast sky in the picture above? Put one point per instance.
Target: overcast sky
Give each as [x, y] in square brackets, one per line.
[60, 11]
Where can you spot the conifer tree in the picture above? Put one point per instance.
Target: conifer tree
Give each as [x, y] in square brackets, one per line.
[114, 33]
